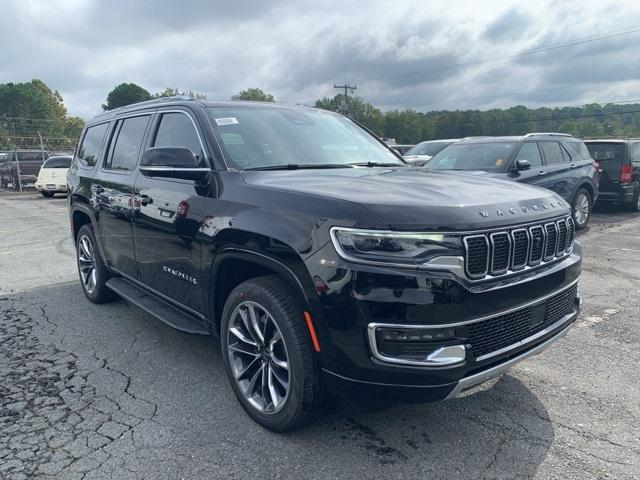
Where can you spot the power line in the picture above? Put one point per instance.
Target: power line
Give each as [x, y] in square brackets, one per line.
[580, 41]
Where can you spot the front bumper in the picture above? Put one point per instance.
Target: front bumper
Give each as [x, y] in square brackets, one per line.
[355, 297]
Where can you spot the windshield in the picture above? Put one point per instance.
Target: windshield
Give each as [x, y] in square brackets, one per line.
[488, 157]
[264, 136]
[427, 148]
[57, 162]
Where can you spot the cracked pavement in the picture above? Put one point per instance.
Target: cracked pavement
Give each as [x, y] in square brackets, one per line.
[106, 391]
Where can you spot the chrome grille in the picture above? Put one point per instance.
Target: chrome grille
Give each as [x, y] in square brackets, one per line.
[477, 261]
[552, 239]
[513, 249]
[562, 237]
[501, 248]
[537, 244]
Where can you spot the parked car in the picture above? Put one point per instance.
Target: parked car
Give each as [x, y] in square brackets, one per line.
[401, 149]
[23, 171]
[324, 263]
[556, 161]
[52, 177]
[619, 162]
[421, 153]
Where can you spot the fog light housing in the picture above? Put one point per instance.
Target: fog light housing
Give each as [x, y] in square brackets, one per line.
[415, 345]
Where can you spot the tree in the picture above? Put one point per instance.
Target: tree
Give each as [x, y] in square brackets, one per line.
[172, 92]
[254, 95]
[30, 107]
[125, 94]
[355, 108]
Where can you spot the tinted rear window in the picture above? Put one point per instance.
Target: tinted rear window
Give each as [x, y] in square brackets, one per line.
[57, 162]
[90, 148]
[578, 150]
[610, 156]
[427, 148]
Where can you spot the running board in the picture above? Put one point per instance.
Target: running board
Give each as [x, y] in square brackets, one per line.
[159, 308]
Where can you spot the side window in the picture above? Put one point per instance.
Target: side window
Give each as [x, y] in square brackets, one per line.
[552, 152]
[578, 150]
[90, 147]
[531, 152]
[123, 155]
[177, 130]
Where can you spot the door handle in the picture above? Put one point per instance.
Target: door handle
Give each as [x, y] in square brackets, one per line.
[541, 172]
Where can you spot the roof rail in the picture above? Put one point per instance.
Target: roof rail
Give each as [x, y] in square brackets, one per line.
[547, 134]
[151, 102]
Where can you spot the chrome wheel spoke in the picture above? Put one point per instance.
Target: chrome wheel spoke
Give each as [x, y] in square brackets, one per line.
[87, 264]
[258, 357]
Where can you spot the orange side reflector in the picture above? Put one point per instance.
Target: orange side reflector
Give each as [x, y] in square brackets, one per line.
[312, 332]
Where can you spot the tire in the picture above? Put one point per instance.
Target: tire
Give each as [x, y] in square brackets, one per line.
[92, 271]
[293, 396]
[581, 208]
[635, 205]
[47, 194]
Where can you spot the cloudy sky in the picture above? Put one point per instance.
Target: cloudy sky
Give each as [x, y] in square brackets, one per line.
[421, 54]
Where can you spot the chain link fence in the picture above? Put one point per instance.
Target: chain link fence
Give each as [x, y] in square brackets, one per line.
[24, 154]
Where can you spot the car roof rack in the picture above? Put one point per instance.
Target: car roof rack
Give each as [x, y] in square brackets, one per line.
[547, 134]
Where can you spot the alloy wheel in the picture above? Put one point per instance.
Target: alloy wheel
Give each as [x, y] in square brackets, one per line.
[258, 357]
[87, 263]
[581, 209]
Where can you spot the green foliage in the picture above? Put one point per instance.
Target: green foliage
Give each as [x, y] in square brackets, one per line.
[125, 94]
[172, 92]
[31, 108]
[254, 95]
[355, 108]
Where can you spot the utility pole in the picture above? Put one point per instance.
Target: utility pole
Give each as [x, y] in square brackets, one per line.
[346, 87]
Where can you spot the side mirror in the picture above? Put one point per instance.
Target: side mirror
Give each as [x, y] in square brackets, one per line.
[172, 162]
[522, 165]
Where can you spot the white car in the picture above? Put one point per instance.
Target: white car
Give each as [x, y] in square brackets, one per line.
[52, 178]
[422, 152]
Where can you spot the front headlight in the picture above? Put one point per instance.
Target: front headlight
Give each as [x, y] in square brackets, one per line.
[405, 248]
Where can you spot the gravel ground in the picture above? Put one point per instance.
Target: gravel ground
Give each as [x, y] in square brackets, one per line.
[106, 391]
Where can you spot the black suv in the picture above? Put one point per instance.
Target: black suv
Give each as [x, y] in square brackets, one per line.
[323, 262]
[556, 161]
[619, 162]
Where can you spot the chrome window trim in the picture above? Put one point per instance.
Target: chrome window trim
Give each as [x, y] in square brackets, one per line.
[492, 270]
[161, 112]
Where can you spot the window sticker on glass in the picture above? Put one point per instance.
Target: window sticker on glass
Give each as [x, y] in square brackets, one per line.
[227, 121]
[499, 162]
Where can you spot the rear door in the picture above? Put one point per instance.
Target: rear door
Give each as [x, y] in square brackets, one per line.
[611, 157]
[168, 216]
[557, 168]
[112, 192]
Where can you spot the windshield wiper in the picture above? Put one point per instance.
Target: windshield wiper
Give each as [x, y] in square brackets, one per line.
[301, 166]
[376, 164]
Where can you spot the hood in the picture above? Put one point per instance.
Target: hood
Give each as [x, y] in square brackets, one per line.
[414, 198]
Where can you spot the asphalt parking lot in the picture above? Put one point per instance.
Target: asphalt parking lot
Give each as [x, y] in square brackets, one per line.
[106, 391]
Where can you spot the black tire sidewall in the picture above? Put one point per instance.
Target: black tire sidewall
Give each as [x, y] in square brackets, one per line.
[101, 293]
[298, 351]
[575, 199]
